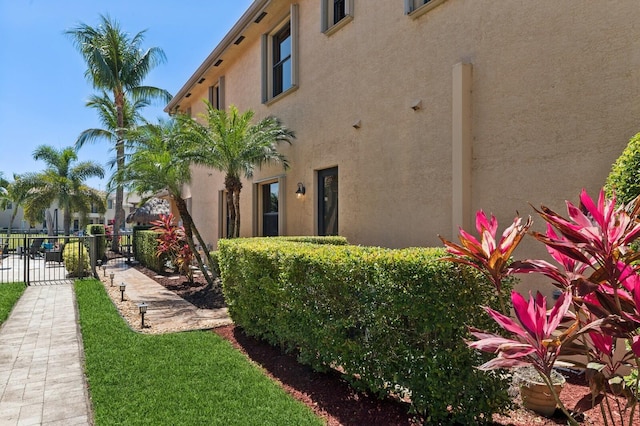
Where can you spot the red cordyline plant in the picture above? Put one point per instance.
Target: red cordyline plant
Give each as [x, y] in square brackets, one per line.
[597, 273]
[172, 242]
[486, 254]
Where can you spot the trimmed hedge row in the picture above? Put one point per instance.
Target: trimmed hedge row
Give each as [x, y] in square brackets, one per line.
[145, 245]
[392, 320]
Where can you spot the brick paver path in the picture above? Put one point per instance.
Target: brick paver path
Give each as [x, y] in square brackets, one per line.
[41, 366]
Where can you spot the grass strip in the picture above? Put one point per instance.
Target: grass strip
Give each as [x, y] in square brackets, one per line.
[178, 379]
[9, 295]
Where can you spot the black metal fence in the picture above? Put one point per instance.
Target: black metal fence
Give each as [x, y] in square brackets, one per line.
[42, 259]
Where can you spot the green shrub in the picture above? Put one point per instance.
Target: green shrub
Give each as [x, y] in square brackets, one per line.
[76, 259]
[624, 178]
[215, 262]
[393, 319]
[101, 241]
[146, 248]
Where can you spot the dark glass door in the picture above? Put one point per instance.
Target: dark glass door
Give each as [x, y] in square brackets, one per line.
[270, 209]
[328, 201]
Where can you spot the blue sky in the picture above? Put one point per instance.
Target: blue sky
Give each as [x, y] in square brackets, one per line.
[42, 85]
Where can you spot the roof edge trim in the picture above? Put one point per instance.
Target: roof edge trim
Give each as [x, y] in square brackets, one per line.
[245, 20]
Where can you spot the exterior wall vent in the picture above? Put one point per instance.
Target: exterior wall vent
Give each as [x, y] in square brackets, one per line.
[260, 17]
[218, 62]
[238, 40]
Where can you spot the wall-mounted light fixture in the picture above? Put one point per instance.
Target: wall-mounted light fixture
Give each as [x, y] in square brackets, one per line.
[416, 105]
[357, 124]
[301, 190]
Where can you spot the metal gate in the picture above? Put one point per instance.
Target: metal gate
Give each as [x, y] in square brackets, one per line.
[44, 260]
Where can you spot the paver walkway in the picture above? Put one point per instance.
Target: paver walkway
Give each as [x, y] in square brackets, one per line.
[42, 379]
[41, 361]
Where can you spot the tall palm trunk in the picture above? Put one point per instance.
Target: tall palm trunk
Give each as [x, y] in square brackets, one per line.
[187, 222]
[118, 221]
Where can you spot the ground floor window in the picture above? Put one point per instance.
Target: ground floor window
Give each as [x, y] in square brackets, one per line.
[328, 201]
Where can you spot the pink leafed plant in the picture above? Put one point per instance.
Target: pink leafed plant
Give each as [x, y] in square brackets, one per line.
[486, 254]
[595, 266]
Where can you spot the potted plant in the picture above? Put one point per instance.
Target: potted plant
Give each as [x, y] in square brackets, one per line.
[535, 392]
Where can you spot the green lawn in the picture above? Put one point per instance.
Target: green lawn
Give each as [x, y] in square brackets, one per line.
[9, 295]
[177, 379]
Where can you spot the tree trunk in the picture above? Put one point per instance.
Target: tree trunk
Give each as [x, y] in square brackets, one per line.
[231, 216]
[66, 221]
[49, 220]
[118, 221]
[187, 222]
[236, 200]
[233, 186]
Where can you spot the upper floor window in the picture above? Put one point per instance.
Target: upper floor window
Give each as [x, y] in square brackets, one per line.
[280, 58]
[418, 7]
[216, 94]
[336, 12]
[109, 204]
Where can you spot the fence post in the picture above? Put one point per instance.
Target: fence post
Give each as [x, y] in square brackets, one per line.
[25, 265]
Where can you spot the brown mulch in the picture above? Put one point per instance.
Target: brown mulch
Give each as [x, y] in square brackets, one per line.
[329, 395]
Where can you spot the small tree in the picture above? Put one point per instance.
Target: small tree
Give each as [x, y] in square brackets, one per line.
[228, 142]
[624, 178]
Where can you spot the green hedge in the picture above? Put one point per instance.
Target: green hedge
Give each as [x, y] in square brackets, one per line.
[101, 239]
[145, 250]
[395, 319]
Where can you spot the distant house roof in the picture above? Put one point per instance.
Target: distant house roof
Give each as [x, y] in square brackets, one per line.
[149, 211]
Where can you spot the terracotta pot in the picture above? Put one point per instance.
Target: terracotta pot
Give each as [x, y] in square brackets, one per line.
[535, 394]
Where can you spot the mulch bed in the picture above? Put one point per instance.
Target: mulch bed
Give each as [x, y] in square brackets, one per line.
[329, 396]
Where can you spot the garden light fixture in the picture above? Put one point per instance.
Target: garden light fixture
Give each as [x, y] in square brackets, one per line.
[122, 287]
[301, 190]
[111, 275]
[104, 270]
[143, 310]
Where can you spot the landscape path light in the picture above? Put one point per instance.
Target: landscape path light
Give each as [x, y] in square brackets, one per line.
[122, 287]
[143, 310]
[111, 275]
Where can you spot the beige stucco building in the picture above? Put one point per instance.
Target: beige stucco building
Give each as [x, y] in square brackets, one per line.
[409, 116]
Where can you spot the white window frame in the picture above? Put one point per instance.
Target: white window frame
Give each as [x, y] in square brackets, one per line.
[415, 8]
[267, 57]
[328, 26]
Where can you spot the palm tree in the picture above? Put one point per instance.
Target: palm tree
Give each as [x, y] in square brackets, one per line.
[158, 165]
[14, 194]
[116, 63]
[108, 115]
[61, 181]
[231, 144]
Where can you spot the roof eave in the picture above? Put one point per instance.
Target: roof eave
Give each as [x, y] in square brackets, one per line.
[245, 20]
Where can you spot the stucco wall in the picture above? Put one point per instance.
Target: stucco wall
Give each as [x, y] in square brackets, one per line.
[555, 89]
